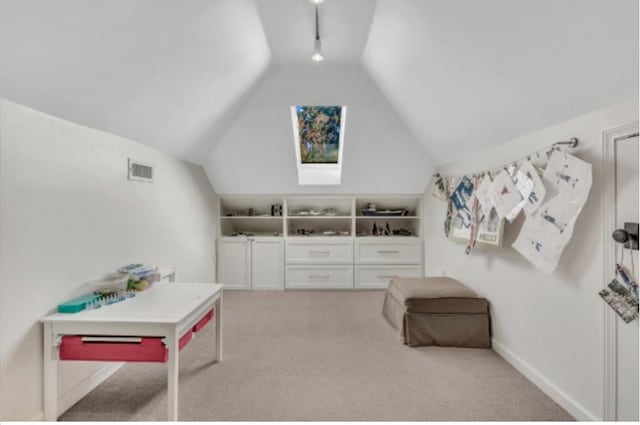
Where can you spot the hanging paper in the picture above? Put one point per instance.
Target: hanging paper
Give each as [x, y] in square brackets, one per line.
[473, 227]
[566, 173]
[547, 231]
[621, 300]
[627, 279]
[505, 196]
[440, 188]
[482, 194]
[534, 188]
[489, 229]
[460, 199]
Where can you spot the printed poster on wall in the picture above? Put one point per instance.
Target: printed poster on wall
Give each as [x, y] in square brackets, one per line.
[547, 231]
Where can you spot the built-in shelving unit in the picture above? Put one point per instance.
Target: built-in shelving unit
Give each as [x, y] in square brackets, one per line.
[322, 242]
[254, 216]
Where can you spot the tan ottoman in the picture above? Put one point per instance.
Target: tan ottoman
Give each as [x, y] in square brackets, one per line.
[437, 311]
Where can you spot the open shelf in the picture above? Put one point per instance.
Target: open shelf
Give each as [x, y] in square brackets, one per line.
[249, 206]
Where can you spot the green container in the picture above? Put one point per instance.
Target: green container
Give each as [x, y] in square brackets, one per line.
[77, 304]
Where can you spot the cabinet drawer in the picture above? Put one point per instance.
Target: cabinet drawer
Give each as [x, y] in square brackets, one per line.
[324, 277]
[380, 276]
[389, 252]
[317, 252]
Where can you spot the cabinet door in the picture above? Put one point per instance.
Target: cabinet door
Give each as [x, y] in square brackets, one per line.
[267, 264]
[234, 260]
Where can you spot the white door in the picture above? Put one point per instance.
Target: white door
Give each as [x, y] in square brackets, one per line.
[267, 264]
[234, 263]
[626, 165]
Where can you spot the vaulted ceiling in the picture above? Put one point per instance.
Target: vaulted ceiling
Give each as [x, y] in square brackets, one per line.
[461, 74]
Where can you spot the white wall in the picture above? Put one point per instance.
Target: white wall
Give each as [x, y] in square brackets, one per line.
[550, 326]
[69, 215]
[256, 155]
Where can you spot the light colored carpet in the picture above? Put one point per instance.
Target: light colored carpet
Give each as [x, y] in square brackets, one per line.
[319, 356]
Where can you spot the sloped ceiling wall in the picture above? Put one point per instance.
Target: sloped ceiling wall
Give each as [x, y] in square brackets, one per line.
[170, 74]
[257, 155]
[469, 74]
[458, 76]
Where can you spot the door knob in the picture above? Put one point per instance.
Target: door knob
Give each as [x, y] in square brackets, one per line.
[628, 236]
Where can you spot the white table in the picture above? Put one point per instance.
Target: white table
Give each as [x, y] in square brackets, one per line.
[166, 310]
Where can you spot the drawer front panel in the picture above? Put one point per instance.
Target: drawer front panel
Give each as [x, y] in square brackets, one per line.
[325, 277]
[380, 276]
[319, 253]
[388, 253]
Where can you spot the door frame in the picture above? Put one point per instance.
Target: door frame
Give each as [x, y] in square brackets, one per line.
[609, 138]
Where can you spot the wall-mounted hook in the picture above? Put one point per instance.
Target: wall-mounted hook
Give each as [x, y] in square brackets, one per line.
[628, 236]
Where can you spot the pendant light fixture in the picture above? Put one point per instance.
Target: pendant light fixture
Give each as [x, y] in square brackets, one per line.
[317, 44]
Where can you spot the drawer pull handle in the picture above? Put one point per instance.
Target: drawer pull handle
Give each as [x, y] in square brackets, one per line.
[319, 252]
[383, 251]
[318, 276]
[387, 276]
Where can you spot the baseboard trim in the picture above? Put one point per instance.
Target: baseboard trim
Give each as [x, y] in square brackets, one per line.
[85, 386]
[37, 418]
[543, 383]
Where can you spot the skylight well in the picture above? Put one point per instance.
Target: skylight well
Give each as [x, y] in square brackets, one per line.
[318, 134]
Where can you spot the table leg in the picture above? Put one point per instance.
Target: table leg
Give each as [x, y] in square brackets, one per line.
[172, 376]
[218, 313]
[50, 376]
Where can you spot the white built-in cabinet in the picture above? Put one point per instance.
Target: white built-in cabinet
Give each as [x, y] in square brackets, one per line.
[251, 263]
[318, 242]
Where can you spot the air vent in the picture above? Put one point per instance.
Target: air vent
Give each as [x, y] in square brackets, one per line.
[140, 171]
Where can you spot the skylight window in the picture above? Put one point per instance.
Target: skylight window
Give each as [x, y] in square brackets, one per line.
[318, 133]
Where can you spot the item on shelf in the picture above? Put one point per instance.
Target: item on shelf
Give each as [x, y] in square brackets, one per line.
[385, 213]
[129, 267]
[402, 232]
[305, 232]
[276, 210]
[249, 212]
[323, 212]
[343, 232]
[329, 233]
[239, 234]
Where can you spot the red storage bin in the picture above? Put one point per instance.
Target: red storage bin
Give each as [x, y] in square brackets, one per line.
[147, 350]
[203, 322]
[184, 340]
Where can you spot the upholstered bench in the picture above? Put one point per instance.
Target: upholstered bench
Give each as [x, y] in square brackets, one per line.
[437, 311]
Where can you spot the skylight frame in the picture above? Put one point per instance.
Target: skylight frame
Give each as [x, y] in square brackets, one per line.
[318, 174]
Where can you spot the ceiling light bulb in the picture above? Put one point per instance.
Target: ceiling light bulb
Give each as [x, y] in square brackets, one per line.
[317, 52]
[316, 1]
